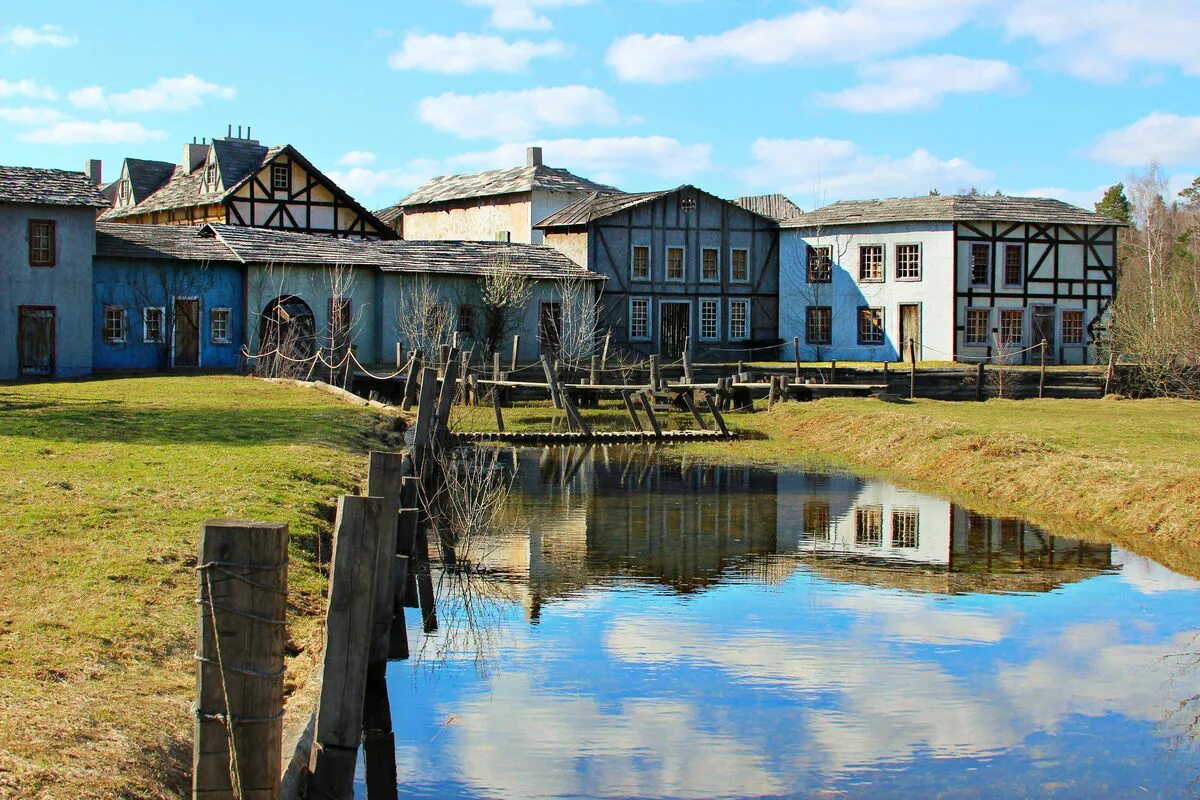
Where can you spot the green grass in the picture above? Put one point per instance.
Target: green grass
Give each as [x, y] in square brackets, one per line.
[105, 486]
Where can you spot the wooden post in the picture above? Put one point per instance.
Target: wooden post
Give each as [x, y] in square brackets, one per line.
[833, 376]
[516, 349]
[348, 627]
[379, 740]
[426, 411]
[687, 359]
[796, 345]
[424, 576]
[654, 376]
[446, 398]
[626, 395]
[573, 413]
[444, 352]
[771, 392]
[979, 377]
[912, 369]
[384, 475]
[496, 365]
[716, 413]
[496, 406]
[1042, 376]
[594, 372]
[410, 382]
[551, 383]
[886, 376]
[1108, 373]
[688, 401]
[399, 355]
[648, 406]
[604, 352]
[241, 603]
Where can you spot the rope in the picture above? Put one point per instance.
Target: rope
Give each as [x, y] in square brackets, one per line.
[412, 357]
[253, 673]
[235, 775]
[240, 613]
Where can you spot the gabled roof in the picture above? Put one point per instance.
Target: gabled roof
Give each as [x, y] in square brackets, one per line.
[599, 205]
[500, 182]
[246, 245]
[49, 187]
[146, 176]
[776, 206]
[950, 208]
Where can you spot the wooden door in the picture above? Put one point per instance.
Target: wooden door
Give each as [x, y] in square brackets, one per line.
[187, 333]
[35, 340]
[675, 321]
[1043, 328]
[910, 328]
[550, 329]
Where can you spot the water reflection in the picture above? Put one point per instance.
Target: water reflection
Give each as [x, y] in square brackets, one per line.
[717, 632]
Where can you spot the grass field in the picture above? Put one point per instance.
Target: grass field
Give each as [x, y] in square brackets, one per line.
[105, 485]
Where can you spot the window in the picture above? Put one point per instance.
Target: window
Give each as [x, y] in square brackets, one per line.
[739, 319]
[639, 267]
[978, 322]
[710, 325]
[1014, 264]
[908, 262]
[981, 263]
[639, 318]
[905, 525]
[816, 520]
[210, 175]
[42, 250]
[114, 324]
[674, 263]
[819, 325]
[868, 526]
[218, 320]
[709, 268]
[152, 325]
[466, 320]
[1072, 327]
[1012, 326]
[123, 192]
[870, 326]
[820, 264]
[739, 265]
[870, 263]
[281, 177]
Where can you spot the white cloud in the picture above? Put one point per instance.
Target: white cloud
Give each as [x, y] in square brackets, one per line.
[30, 115]
[165, 94]
[862, 30]
[25, 88]
[835, 169]
[606, 159]
[464, 53]
[523, 14]
[24, 37]
[102, 132]
[357, 158]
[1149, 577]
[1103, 40]
[919, 83]
[1165, 138]
[518, 114]
[369, 185]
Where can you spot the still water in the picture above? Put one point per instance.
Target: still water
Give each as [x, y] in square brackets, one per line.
[655, 630]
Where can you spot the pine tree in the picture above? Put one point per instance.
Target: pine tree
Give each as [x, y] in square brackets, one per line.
[1115, 204]
[1191, 195]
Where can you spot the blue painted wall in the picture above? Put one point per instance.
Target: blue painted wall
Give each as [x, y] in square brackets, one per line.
[141, 283]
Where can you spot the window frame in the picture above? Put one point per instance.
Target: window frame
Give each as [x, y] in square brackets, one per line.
[284, 169]
[463, 312]
[716, 276]
[882, 263]
[51, 259]
[906, 514]
[212, 329]
[865, 536]
[745, 251]
[987, 280]
[808, 326]
[633, 276]
[920, 262]
[808, 263]
[858, 320]
[124, 323]
[647, 336]
[1020, 282]
[744, 303]
[1062, 327]
[715, 304]
[1000, 331]
[210, 174]
[162, 325]
[682, 264]
[987, 328]
[818, 520]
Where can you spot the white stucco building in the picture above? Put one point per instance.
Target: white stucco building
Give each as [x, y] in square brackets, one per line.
[961, 276]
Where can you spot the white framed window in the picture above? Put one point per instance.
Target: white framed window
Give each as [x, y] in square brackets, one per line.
[908, 262]
[152, 325]
[114, 324]
[210, 175]
[710, 265]
[1012, 326]
[870, 263]
[675, 264]
[868, 526]
[870, 326]
[710, 319]
[639, 319]
[818, 327]
[978, 323]
[739, 265]
[906, 527]
[739, 320]
[281, 177]
[219, 325]
[1014, 265]
[123, 192]
[981, 264]
[639, 262]
[1072, 327]
[820, 263]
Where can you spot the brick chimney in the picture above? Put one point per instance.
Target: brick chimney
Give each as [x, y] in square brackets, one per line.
[533, 156]
[94, 169]
[193, 156]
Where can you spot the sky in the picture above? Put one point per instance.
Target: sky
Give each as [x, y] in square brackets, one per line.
[829, 100]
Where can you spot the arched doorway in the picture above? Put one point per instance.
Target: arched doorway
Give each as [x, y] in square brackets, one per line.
[287, 337]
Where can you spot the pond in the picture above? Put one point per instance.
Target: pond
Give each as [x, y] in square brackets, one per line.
[662, 630]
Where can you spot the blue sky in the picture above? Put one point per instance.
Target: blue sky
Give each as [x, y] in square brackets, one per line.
[821, 100]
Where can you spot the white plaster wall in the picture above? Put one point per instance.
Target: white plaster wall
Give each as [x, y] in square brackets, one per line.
[934, 292]
[479, 222]
[573, 245]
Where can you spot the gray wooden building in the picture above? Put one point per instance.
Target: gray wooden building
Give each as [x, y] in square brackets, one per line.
[680, 263]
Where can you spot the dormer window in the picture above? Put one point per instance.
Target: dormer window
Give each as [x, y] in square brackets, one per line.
[210, 175]
[123, 192]
[281, 178]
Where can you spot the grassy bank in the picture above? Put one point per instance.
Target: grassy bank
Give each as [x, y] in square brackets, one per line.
[105, 486]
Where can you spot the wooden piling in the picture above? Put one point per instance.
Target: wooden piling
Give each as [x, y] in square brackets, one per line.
[399, 355]
[687, 359]
[690, 403]
[496, 407]
[771, 391]
[594, 371]
[426, 411]
[410, 381]
[516, 348]
[654, 375]
[379, 739]
[648, 406]
[446, 398]
[384, 474]
[713, 408]
[551, 383]
[628, 398]
[241, 604]
[833, 376]
[796, 346]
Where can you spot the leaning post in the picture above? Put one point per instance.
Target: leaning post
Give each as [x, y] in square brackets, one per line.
[912, 369]
[1042, 376]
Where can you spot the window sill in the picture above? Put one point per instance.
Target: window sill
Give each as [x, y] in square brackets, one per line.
[222, 341]
[871, 280]
[908, 280]
[114, 341]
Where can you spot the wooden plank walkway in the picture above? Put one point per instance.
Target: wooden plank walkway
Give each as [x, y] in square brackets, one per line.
[602, 437]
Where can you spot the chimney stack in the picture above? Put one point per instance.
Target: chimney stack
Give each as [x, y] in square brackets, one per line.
[533, 156]
[94, 170]
[193, 156]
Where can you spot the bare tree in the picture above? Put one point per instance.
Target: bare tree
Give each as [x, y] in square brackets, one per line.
[423, 316]
[505, 291]
[579, 320]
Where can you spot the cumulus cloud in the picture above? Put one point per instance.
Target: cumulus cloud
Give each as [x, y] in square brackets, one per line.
[30, 115]
[384, 185]
[464, 53]
[518, 114]
[1103, 40]
[165, 94]
[25, 88]
[920, 83]
[1161, 137]
[103, 132]
[357, 158]
[25, 37]
[523, 14]
[836, 169]
[862, 30]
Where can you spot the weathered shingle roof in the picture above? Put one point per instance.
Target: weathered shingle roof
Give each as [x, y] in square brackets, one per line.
[776, 206]
[49, 187]
[146, 176]
[949, 208]
[598, 205]
[501, 181]
[241, 244]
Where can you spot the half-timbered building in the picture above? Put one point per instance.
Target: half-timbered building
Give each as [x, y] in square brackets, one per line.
[969, 277]
[680, 263]
[238, 181]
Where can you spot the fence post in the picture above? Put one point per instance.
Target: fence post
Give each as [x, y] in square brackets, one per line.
[516, 349]
[399, 355]
[912, 369]
[654, 376]
[241, 604]
[446, 398]
[833, 372]
[384, 474]
[410, 381]
[1108, 373]
[550, 381]
[496, 366]
[979, 377]
[796, 351]
[648, 406]
[594, 372]
[1042, 375]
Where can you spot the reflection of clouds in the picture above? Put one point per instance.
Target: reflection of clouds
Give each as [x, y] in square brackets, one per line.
[1149, 577]
[522, 742]
[918, 618]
